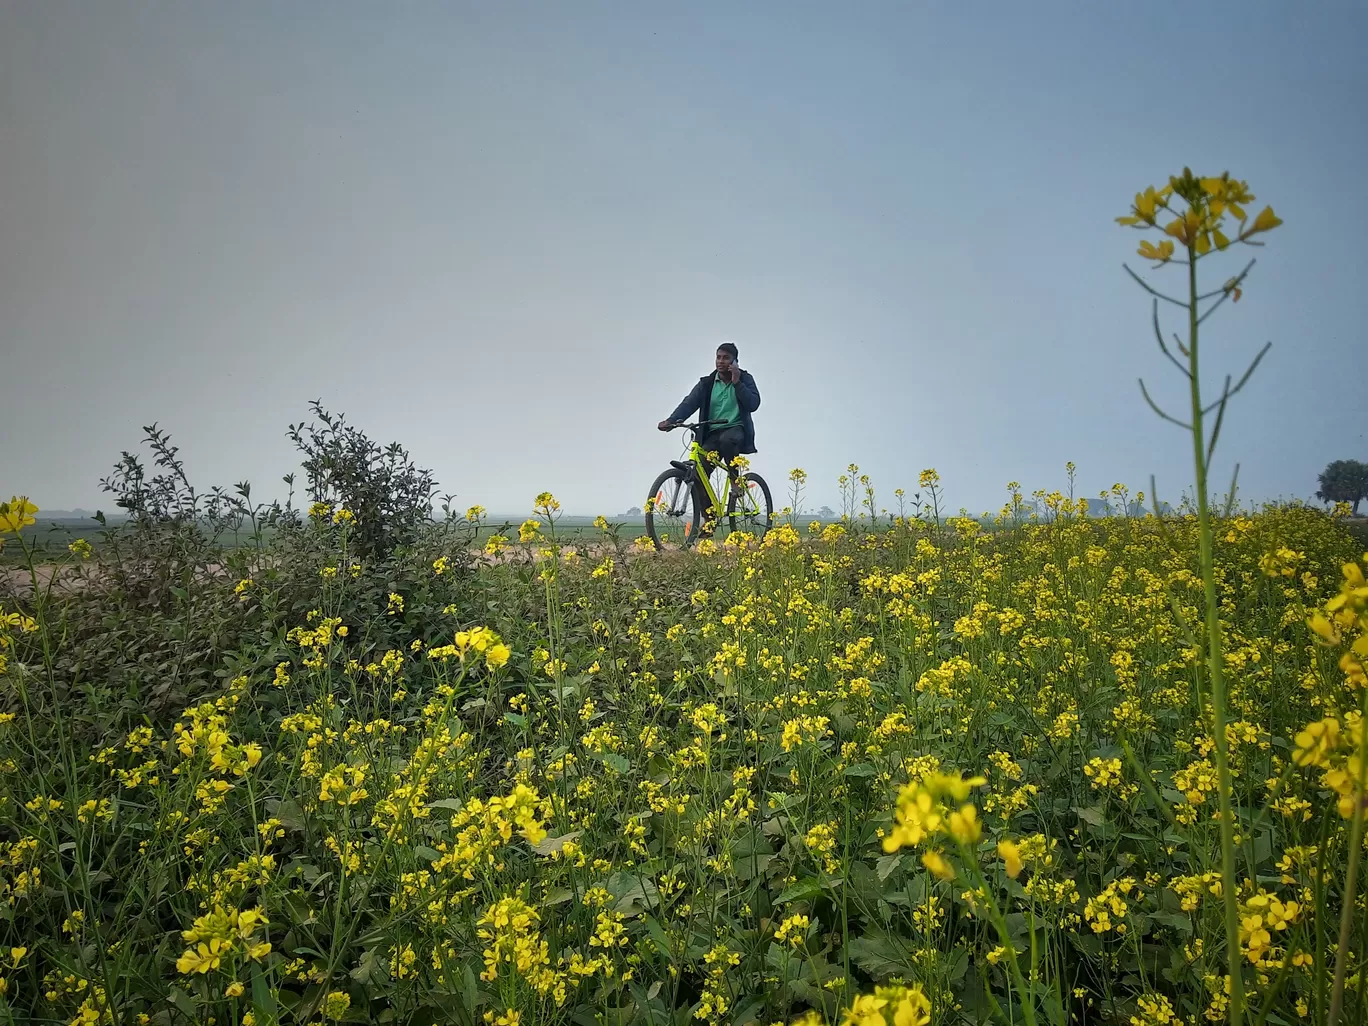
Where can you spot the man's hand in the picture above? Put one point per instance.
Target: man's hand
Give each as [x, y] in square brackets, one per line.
[665, 425]
[735, 376]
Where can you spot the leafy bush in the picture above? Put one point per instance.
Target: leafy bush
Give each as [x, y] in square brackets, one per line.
[389, 495]
[151, 621]
[172, 531]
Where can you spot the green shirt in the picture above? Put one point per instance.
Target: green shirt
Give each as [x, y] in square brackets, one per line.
[723, 406]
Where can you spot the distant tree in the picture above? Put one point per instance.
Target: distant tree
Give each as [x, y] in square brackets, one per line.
[826, 513]
[1344, 481]
[635, 511]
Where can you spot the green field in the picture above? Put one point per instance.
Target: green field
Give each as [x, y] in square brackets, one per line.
[51, 537]
[721, 786]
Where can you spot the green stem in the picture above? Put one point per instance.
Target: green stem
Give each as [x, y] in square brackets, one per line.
[969, 857]
[1350, 883]
[1215, 663]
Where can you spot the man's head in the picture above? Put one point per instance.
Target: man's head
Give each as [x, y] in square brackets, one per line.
[726, 356]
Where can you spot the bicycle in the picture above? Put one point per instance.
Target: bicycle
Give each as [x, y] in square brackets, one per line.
[680, 495]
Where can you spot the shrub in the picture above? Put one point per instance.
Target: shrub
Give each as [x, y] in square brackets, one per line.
[389, 495]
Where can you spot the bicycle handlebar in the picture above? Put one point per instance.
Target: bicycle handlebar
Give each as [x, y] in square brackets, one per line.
[696, 426]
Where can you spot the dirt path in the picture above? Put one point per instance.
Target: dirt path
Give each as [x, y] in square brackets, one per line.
[18, 581]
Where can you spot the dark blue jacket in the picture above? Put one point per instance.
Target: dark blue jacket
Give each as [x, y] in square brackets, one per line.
[747, 397]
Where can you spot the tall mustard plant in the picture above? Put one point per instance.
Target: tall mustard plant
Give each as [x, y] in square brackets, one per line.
[1194, 215]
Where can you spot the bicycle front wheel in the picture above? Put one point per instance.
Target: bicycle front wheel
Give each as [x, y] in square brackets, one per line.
[672, 510]
[749, 506]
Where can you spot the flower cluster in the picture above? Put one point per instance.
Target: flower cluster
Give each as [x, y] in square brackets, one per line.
[890, 1006]
[925, 810]
[220, 936]
[1198, 225]
[16, 514]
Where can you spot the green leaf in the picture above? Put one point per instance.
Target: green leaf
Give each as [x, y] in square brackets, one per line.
[1178, 921]
[804, 890]
[370, 967]
[469, 991]
[634, 895]
[956, 965]
[860, 769]
[184, 1003]
[289, 813]
[559, 896]
[615, 762]
[1094, 815]
[749, 1010]
[885, 865]
[1088, 943]
[812, 995]
[774, 826]
[880, 956]
[297, 909]
[263, 1000]
[1263, 847]
[751, 843]
[551, 845]
[376, 937]
[657, 933]
[751, 867]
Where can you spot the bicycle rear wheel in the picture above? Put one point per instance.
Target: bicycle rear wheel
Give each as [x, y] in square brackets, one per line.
[672, 510]
[749, 505]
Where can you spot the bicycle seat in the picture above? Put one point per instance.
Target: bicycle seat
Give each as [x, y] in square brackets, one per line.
[680, 464]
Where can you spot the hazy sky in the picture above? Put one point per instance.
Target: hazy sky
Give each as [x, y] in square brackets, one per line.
[511, 235]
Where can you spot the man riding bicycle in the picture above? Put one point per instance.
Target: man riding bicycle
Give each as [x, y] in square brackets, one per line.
[728, 395]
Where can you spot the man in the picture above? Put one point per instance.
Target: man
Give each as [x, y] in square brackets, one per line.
[728, 395]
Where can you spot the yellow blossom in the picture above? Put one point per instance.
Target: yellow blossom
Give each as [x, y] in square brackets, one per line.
[1011, 857]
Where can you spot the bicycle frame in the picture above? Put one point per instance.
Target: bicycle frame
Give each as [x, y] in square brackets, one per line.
[737, 488]
[718, 502]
